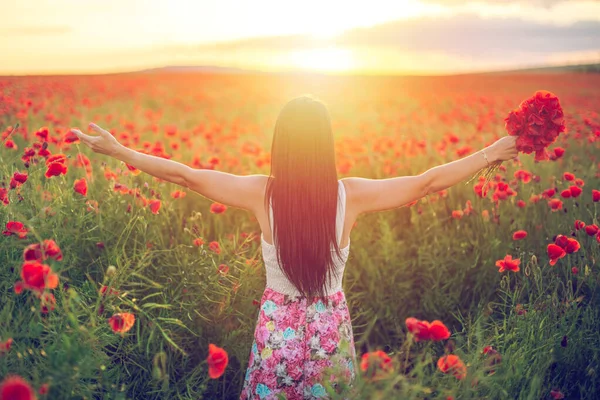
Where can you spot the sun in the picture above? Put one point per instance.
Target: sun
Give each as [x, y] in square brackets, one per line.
[322, 59]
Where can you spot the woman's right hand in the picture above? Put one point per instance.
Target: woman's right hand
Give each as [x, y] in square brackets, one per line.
[503, 149]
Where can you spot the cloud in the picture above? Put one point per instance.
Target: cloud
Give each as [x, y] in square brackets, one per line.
[464, 34]
[460, 35]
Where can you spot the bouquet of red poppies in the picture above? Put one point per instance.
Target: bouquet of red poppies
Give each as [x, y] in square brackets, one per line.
[537, 122]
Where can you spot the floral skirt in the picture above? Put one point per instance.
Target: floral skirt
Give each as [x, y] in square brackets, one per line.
[298, 345]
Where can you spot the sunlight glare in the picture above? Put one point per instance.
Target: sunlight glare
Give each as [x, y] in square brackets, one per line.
[323, 59]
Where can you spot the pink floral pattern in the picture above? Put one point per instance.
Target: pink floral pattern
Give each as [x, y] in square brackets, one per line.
[297, 345]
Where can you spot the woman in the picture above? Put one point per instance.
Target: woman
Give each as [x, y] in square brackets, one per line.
[303, 338]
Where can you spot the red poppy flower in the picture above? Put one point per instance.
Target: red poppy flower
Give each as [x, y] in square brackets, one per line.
[452, 364]
[134, 171]
[420, 329]
[15, 228]
[424, 330]
[154, 206]
[177, 194]
[575, 191]
[42, 133]
[44, 389]
[572, 246]
[521, 204]
[562, 241]
[523, 176]
[555, 204]
[4, 196]
[468, 208]
[214, 246]
[555, 252]
[567, 176]
[559, 151]
[217, 361]
[121, 322]
[438, 331]
[48, 249]
[575, 270]
[579, 224]
[518, 235]
[19, 287]
[223, 269]
[80, 186]
[13, 387]
[591, 229]
[198, 242]
[376, 364]
[5, 346]
[556, 394]
[218, 208]
[457, 214]
[56, 169]
[508, 264]
[595, 195]
[565, 194]
[18, 179]
[37, 276]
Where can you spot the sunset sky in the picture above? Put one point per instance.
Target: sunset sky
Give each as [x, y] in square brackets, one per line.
[375, 36]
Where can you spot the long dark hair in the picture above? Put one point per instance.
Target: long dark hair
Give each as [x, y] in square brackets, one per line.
[303, 188]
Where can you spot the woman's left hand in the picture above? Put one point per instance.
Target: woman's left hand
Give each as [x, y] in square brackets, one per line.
[105, 143]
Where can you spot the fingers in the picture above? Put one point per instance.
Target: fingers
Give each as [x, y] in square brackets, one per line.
[98, 130]
[87, 139]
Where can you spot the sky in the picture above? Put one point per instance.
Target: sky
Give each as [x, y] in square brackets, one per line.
[375, 36]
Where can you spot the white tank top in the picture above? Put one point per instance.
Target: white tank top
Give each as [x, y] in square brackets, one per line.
[276, 278]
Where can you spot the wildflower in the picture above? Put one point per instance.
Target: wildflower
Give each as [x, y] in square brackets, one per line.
[217, 361]
[555, 204]
[80, 186]
[376, 364]
[508, 264]
[217, 208]
[14, 387]
[154, 206]
[591, 230]
[37, 252]
[452, 364]
[555, 252]
[457, 214]
[214, 246]
[15, 228]
[518, 235]
[424, 330]
[37, 276]
[121, 322]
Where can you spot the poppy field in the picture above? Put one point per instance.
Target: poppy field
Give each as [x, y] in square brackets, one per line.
[117, 285]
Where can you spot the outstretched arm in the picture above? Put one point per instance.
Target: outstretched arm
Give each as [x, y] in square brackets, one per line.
[229, 189]
[368, 195]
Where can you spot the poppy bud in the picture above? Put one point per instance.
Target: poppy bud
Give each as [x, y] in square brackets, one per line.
[111, 271]
[534, 259]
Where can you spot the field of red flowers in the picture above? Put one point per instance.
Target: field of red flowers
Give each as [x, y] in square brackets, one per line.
[116, 285]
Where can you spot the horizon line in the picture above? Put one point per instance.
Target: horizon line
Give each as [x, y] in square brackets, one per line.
[214, 69]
